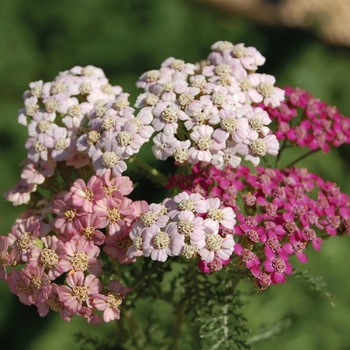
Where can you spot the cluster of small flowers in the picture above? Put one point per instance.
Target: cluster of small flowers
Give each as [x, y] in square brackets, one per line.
[63, 237]
[279, 213]
[206, 112]
[318, 126]
[187, 225]
[78, 119]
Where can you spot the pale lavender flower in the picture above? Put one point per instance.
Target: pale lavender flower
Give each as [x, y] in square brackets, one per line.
[62, 146]
[206, 142]
[258, 119]
[31, 107]
[217, 216]
[166, 117]
[212, 244]
[36, 173]
[41, 123]
[164, 146]
[184, 201]
[249, 57]
[20, 194]
[260, 147]
[159, 244]
[107, 155]
[265, 87]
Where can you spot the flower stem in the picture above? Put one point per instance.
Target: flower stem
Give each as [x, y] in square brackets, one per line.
[301, 158]
[156, 175]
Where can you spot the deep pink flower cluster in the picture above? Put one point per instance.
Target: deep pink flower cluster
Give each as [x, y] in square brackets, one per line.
[279, 213]
[309, 122]
[208, 112]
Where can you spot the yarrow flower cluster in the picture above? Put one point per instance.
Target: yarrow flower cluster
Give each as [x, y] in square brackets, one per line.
[81, 224]
[279, 213]
[308, 122]
[208, 112]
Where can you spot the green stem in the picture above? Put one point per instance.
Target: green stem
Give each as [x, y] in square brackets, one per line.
[284, 144]
[139, 339]
[179, 325]
[301, 158]
[157, 176]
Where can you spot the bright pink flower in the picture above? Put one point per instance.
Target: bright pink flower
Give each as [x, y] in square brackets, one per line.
[278, 268]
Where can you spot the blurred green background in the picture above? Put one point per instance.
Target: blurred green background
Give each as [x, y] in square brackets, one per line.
[39, 38]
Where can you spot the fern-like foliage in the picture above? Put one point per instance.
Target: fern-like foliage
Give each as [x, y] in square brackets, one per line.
[316, 283]
[215, 306]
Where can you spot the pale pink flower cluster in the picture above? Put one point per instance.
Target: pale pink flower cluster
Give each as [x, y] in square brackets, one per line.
[187, 225]
[206, 112]
[61, 239]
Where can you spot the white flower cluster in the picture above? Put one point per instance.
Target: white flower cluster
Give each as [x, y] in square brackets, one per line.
[206, 112]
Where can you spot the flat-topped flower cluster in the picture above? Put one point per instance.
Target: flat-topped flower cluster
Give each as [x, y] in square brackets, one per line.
[82, 133]
[207, 112]
[279, 213]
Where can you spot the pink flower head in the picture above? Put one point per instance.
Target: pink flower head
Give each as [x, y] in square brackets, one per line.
[82, 256]
[30, 284]
[109, 303]
[79, 290]
[111, 183]
[117, 245]
[20, 194]
[67, 220]
[5, 258]
[86, 195]
[52, 257]
[115, 212]
[21, 239]
[54, 302]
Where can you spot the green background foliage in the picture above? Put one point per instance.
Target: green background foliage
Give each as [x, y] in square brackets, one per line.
[39, 38]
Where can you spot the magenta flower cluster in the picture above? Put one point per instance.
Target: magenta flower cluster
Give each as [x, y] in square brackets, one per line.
[279, 213]
[308, 122]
